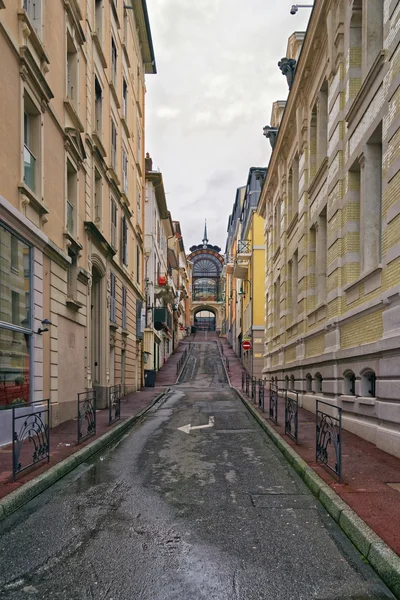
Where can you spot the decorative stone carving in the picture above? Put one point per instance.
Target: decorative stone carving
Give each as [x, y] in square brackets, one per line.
[288, 68]
[271, 133]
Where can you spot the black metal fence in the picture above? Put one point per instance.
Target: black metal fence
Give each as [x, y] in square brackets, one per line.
[254, 389]
[227, 363]
[243, 380]
[328, 450]
[247, 383]
[114, 403]
[292, 415]
[30, 435]
[86, 415]
[181, 360]
[261, 393]
[273, 403]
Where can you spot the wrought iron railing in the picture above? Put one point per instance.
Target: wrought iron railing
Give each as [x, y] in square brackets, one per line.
[114, 403]
[86, 415]
[254, 389]
[261, 393]
[292, 415]
[244, 247]
[328, 449]
[273, 403]
[247, 383]
[31, 435]
[243, 380]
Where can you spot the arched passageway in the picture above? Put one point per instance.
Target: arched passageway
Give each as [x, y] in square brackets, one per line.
[205, 320]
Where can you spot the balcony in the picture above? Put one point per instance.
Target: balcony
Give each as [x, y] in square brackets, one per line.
[244, 249]
[29, 168]
[240, 269]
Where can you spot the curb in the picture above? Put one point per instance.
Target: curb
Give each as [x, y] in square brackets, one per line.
[184, 364]
[16, 499]
[382, 558]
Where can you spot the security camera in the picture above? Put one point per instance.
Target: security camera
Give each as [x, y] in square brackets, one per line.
[294, 9]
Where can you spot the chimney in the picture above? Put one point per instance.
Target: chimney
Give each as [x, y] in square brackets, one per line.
[148, 163]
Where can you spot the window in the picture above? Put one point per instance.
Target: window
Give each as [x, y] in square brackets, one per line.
[293, 189]
[137, 264]
[277, 302]
[114, 213]
[313, 142]
[113, 311]
[113, 145]
[349, 383]
[72, 197]
[72, 72]
[139, 200]
[373, 34]
[124, 240]
[98, 18]
[318, 383]
[286, 382]
[320, 236]
[292, 383]
[368, 384]
[322, 124]
[125, 99]
[124, 307]
[32, 144]
[355, 50]
[308, 382]
[98, 196]
[139, 140]
[98, 107]
[295, 277]
[371, 202]
[124, 171]
[34, 10]
[113, 63]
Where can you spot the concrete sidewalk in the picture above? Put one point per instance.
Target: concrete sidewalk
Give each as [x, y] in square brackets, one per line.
[63, 437]
[371, 477]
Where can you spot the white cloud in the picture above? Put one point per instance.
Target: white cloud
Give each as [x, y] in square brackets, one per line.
[217, 79]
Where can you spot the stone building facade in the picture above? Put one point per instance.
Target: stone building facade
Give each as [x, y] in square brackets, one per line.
[72, 84]
[331, 202]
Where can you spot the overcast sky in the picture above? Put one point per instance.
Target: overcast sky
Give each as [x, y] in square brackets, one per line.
[213, 93]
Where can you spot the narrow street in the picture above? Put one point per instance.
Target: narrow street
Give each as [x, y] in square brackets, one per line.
[172, 512]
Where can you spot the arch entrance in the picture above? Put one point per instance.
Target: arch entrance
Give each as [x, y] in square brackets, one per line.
[205, 319]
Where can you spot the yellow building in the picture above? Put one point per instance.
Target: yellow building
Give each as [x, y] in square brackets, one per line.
[71, 189]
[245, 274]
[332, 211]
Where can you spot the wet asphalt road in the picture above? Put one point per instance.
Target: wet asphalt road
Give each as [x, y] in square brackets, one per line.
[166, 515]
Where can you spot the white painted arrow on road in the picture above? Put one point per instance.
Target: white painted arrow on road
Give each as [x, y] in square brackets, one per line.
[189, 428]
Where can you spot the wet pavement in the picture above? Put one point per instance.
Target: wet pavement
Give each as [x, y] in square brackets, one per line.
[173, 512]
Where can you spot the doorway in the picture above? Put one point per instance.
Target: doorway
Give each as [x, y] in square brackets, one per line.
[205, 320]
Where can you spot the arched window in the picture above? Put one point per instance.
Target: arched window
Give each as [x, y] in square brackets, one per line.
[349, 383]
[286, 382]
[368, 383]
[318, 383]
[308, 382]
[292, 382]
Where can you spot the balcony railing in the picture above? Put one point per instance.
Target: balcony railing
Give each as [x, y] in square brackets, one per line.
[244, 247]
[29, 168]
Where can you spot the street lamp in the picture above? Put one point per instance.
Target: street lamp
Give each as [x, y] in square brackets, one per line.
[295, 7]
[242, 291]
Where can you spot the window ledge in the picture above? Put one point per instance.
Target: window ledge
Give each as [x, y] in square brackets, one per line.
[113, 325]
[32, 199]
[112, 173]
[316, 309]
[276, 253]
[350, 286]
[126, 53]
[99, 49]
[99, 144]
[139, 107]
[72, 242]
[126, 128]
[348, 398]
[72, 113]
[114, 94]
[73, 304]
[292, 224]
[365, 87]
[366, 400]
[318, 177]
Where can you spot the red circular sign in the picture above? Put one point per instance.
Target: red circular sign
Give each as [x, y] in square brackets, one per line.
[246, 345]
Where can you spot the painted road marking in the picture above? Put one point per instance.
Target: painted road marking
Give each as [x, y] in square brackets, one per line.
[189, 428]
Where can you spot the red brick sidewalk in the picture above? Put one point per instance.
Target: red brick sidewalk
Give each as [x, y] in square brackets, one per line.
[63, 437]
[366, 471]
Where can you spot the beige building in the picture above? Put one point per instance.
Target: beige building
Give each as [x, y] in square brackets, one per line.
[331, 202]
[72, 84]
